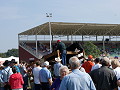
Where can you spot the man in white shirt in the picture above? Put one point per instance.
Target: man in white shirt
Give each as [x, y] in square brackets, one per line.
[97, 64]
[36, 76]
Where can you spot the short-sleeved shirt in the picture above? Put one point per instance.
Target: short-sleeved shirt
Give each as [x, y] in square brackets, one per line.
[44, 75]
[117, 73]
[87, 66]
[104, 78]
[6, 72]
[96, 66]
[61, 46]
[1, 76]
[22, 70]
[77, 80]
[36, 74]
[56, 68]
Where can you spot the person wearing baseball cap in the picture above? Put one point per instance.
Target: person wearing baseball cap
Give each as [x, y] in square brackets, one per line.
[45, 76]
[88, 64]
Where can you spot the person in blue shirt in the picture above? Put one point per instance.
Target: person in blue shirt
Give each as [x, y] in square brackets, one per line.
[57, 66]
[1, 79]
[76, 80]
[45, 76]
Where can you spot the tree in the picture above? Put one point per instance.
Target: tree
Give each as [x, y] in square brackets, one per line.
[10, 52]
[3, 55]
[91, 49]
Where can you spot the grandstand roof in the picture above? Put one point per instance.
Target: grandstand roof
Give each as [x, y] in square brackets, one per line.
[63, 28]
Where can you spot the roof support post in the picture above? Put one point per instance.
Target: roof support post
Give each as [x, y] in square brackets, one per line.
[67, 37]
[96, 37]
[36, 44]
[103, 44]
[109, 38]
[71, 39]
[18, 41]
[82, 37]
[49, 15]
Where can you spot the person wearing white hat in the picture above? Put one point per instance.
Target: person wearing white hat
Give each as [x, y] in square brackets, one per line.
[45, 76]
[56, 67]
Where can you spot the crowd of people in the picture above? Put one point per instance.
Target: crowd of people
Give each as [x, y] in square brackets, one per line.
[96, 74]
[80, 74]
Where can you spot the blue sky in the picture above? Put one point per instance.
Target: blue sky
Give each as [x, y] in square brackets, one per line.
[20, 15]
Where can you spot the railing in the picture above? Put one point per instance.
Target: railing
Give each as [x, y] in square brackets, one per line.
[32, 50]
[28, 49]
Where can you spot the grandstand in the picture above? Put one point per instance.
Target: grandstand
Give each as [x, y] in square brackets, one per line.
[35, 43]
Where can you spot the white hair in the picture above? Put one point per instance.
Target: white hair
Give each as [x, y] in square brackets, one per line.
[74, 62]
[64, 68]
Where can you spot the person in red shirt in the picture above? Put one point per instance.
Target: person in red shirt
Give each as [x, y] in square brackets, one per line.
[16, 81]
[88, 64]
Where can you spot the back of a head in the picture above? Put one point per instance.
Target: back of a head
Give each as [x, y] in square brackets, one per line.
[74, 62]
[58, 41]
[105, 61]
[97, 60]
[23, 62]
[115, 62]
[14, 70]
[13, 60]
[38, 63]
[90, 57]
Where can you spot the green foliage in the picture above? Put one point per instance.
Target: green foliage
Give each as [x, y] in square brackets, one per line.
[3, 55]
[91, 49]
[10, 52]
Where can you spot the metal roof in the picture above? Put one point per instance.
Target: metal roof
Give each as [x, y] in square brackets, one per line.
[63, 28]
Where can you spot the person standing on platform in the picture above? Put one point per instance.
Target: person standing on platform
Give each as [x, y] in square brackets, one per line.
[61, 50]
